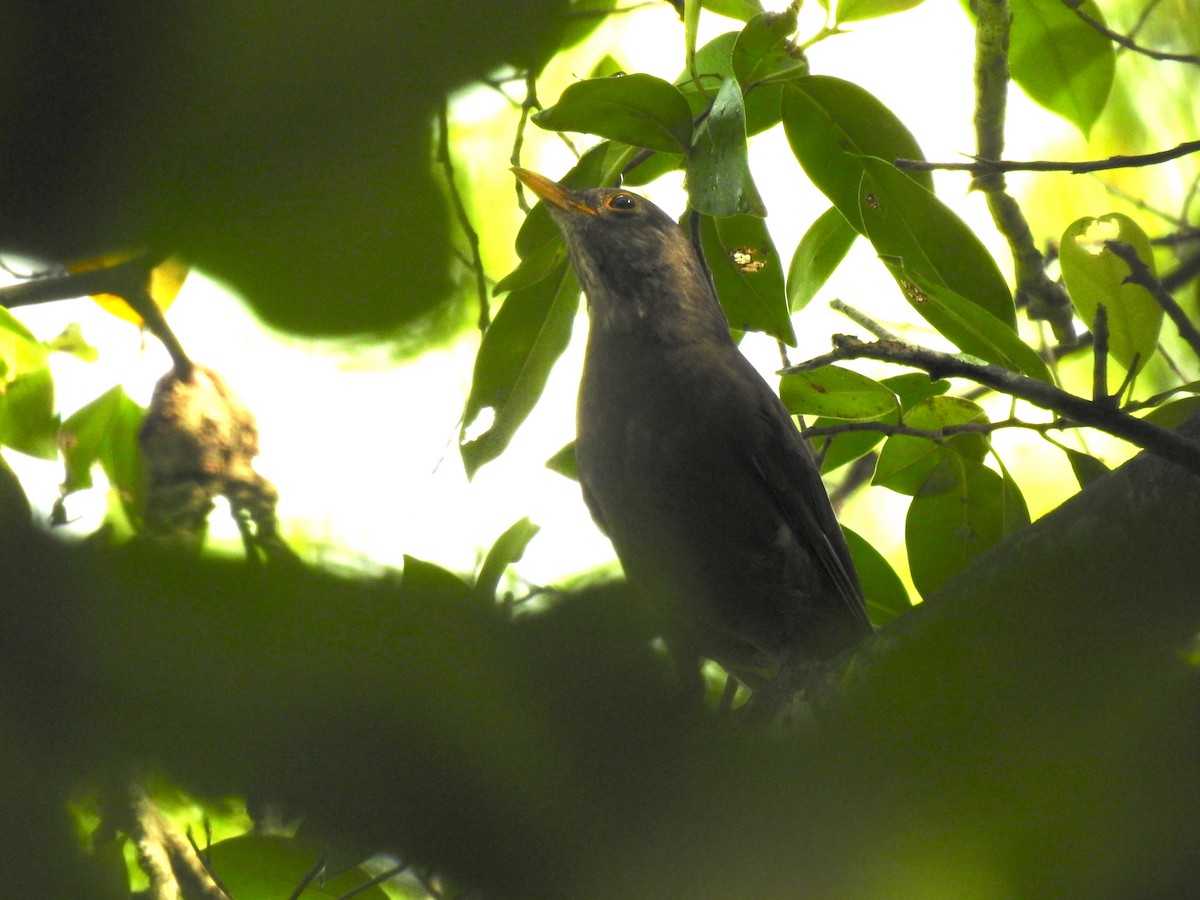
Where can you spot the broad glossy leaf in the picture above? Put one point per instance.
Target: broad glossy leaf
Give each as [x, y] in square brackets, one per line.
[857, 10]
[1095, 278]
[885, 593]
[638, 109]
[958, 513]
[817, 256]
[508, 549]
[748, 276]
[831, 125]
[105, 431]
[906, 462]
[527, 336]
[719, 182]
[837, 393]
[764, 50]
[1060, 61]
[904, 221]
[973, 330]
[714, 61]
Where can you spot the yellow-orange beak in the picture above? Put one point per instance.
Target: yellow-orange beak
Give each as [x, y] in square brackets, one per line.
[552, 192]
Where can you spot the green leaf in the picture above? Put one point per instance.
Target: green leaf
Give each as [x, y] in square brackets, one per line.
[1175, 413]
[28, 422]
[714, 62]
[422, 578]
[973, 330]
[1134, 317]
[910, 388]
[905, 221]
[1060, 61]
[105, 431]
[564, 462]
[959, 512]
[269, 865]
[719, 182]
[508, 549]
[638, 109]
[764, 50]
[742, 10]
[520, 347]
[747, 274]
[818, 254]
[858, 10]
[71, 341]
[831, 124]
[906, 462]
[913, 387]
[885, 593]
[1085, 466]
[837, 393]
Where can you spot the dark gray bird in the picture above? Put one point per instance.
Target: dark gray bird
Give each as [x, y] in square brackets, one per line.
[688, 460]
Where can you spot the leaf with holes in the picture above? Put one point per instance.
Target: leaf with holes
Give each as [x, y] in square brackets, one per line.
[747, 274]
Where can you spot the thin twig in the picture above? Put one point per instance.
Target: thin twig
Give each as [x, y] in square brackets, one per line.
[1129, 43]
[1120, 424]
[892, 429]
[464, 219]
[1100, 356]
[981, 166]
[1139, 273]
[128, 280]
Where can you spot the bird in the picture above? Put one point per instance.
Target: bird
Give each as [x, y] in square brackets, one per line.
[688, 460]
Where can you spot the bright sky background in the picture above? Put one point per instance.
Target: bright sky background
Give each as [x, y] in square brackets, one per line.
[364, 454]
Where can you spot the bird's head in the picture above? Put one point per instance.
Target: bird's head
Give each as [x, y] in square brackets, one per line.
[635, 264]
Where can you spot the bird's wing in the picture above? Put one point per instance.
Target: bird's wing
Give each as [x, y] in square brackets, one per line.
[784, 462]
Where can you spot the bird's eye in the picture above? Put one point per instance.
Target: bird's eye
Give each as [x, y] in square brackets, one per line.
[621, 202]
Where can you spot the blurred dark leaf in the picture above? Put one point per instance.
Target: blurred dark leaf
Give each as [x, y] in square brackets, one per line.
[272, 865]
[283, 148]
[885, 592]
[508, 549]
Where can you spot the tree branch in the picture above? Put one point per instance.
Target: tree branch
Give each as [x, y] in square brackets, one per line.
[128, 280]
[981, 166]
[1045, 299]
[460, 212]
[1120, 424]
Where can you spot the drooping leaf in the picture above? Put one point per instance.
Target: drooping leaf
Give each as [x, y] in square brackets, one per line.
[1060, 61]
[1095, 278]
[817, 256]
[958, 512]
[858, 10]
[714, 62]
[885, 593]
[508, 549]
[637, 109]
[764, 50]
[906, 462]
[831, 125]
[837, 393]
[748, 275]
[904, 221]
[520, 347]
[422, 578]
[719, 182]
